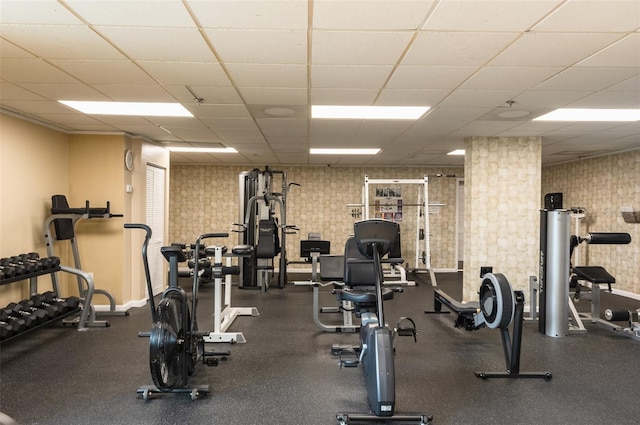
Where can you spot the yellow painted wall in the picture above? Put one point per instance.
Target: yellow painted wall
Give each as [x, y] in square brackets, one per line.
[34, 164]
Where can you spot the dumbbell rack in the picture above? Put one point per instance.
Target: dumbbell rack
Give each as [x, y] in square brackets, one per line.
[33, 288]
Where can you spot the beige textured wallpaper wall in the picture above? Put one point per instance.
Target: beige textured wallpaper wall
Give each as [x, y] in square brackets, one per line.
[204, 198]
[603, 185]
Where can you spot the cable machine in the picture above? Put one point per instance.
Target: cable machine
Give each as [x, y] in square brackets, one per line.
[260, 228]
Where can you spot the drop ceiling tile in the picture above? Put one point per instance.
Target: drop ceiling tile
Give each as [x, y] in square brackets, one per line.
[33, 71]
[358, 47]
[330, 128]
[268, 75]
[160, 44]
[613, 99]
[495, 15]
[370, 15]
[218, 96]
[283, 126]
[75, 120]
[30, 12]
[10, 91]
[408, 97]
[207, 110]
[57, 91]
[260, 14]
[593, 16]
[505, 78]
[230, 134]
[456, 48]
[342, 96]
[563, 49]
[478, 98]
[60, 42]
[349, 77]
[256, 46]
[623, 53]
[274, 96]
[104, 71]
[11, 51]
[549, 98]
[133, 93]
[591, 78]
[186, 73]
[34, 107]
[429, 77]
[165, 13]
[288, 144]
[216, 123]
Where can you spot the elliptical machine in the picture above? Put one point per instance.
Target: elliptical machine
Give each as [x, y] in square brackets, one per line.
[373, 239]
[175, 344]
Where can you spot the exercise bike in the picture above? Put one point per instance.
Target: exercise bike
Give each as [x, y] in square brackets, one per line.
[373, 239]
[175, 344]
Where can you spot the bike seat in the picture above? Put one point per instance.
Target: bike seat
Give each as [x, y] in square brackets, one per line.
[363, 297]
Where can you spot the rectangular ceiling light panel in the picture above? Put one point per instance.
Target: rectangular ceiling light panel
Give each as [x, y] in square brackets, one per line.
[578, 114]
[318, 151]
[202, 150]
[145, 109]
[368, 112]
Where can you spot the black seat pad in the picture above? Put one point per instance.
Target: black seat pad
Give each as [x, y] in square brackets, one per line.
[594, 274]
[364, 297]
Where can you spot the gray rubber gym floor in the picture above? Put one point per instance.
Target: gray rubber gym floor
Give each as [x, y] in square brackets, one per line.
[285, 374]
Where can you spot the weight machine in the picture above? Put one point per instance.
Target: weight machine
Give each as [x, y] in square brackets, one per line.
[260, 228]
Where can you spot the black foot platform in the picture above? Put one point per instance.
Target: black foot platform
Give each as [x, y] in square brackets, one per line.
[194, 392]
[420, 418]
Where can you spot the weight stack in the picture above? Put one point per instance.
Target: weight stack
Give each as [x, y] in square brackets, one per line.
[554, 273]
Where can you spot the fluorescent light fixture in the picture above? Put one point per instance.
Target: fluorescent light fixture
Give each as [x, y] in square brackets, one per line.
[580, 114]
[317, 151]
[368, 112]
[146, 109]
[201, 150]
[456, 152]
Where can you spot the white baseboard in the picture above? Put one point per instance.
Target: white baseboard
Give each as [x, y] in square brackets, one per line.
[121, 307]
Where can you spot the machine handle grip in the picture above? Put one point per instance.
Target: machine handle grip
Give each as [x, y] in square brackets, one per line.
[138, 226]
[601, 238]
[214, 235]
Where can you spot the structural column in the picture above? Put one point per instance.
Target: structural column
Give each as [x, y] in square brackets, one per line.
[502, 203]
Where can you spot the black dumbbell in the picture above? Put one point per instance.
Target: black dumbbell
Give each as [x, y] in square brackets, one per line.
[23, 309]
[18, 324]
[53, 262]
[19, 269]
[28, 267]
[8, 272]
[32, 258]
[29, 320]
[6, 330]
[50, 298]
[51, 312]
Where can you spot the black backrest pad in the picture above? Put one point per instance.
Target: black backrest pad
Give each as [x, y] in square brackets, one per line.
[62, 226]
[268, 240]
[313, 245]
[382, 233]
[358, 269]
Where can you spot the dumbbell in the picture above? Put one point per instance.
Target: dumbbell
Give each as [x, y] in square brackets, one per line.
[6, 330]
[14, 270]
[32, 258]
[18, 324]
[50, 311]
[28, 266]
[51, 262]
[25, 310]
[50, 298]
[29, 320]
